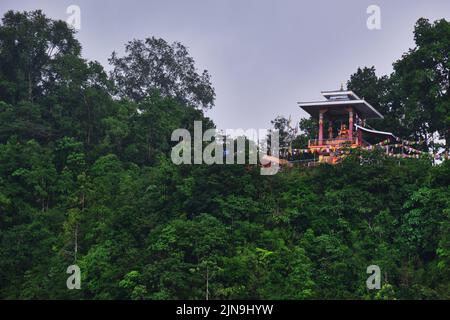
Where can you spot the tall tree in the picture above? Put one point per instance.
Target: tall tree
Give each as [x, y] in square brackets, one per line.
[29, 42]
[422, 77]
[415, 98]
[285, 130]
[154, 64]
[377, 91]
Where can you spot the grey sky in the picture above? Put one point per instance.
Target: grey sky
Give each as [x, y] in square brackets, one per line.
[263, 55]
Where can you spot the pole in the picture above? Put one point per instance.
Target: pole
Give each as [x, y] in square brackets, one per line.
[207, 282]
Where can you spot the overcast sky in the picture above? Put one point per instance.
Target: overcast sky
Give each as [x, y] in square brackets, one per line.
[263, 55]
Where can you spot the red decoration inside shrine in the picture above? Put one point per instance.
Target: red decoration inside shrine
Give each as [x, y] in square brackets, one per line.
[345, 115]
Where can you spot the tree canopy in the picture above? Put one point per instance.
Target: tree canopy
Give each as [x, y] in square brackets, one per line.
[154, 64]
[86, 178]
[415, 98]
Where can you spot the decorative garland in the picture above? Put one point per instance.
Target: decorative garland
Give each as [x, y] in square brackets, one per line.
[409, 142]
[415, 153]
[403, 142]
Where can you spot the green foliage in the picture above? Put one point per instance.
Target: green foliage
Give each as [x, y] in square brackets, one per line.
[86, 178]
[415, 98]
[154, 64]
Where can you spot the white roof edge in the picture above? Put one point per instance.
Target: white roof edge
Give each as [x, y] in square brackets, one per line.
[328, 102]
[339, 102]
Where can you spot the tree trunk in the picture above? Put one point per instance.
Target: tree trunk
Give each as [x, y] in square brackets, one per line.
[76, 242]
[30, 87]
[207, 282]
[89, 124]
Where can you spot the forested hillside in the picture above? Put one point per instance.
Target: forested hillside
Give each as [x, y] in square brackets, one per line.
[86, 178]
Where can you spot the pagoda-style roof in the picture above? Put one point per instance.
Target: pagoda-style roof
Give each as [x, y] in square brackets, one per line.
[340, 95]
[337, 102]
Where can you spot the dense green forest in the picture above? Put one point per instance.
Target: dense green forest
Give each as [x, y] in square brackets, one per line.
[86, 178]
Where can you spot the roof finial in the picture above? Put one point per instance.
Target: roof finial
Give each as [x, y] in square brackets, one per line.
[342, 86]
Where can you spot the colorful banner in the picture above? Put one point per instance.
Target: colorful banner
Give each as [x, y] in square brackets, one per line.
[409, 142]
[410, 152]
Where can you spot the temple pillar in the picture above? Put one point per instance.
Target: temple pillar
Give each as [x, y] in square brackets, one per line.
[350, 123]
[330, 129]
[321, 113]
